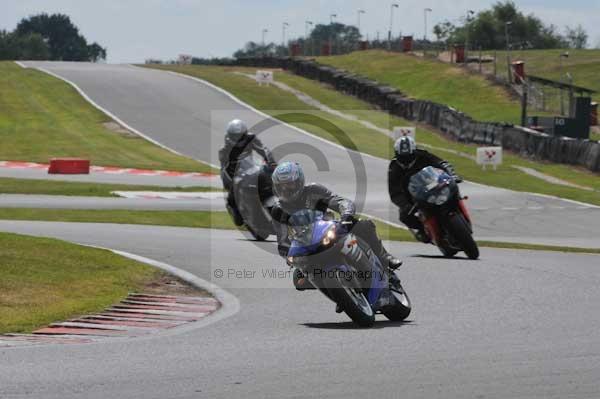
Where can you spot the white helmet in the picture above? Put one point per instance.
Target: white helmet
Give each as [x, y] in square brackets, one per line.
[405, 148]
[236, 129]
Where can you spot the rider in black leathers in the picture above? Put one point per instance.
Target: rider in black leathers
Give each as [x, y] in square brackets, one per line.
[239, 143]
[408, 161]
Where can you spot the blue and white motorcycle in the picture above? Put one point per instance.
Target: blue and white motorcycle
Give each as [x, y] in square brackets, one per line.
[344, 268]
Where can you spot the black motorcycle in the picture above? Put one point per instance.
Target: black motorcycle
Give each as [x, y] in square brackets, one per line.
[253, 190]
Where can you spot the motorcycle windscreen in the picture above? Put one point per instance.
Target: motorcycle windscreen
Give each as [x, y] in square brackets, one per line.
[426, 181]
[305, 231]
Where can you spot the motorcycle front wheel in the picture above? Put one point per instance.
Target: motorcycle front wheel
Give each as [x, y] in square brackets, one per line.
[458, 227]
[257, 236]
[351, 300]
[400, 310]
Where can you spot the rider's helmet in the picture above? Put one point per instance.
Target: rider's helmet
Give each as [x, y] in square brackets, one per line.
[405, 149]
[288, 181]
[236, 129]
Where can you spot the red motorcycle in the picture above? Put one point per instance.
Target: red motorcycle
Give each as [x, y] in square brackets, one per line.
[443, 212]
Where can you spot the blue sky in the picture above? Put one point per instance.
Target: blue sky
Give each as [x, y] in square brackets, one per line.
[134, 30]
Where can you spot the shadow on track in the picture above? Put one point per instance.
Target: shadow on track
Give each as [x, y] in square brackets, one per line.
[439, 257]
[348, 325]
[254, 240]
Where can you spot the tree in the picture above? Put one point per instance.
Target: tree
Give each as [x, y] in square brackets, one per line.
[8, 46]
[488, 30]
[253, 49]
[96, 52]
[444, 30]
[576, 37]
[32, 47]
[343, 37]
[61, 36]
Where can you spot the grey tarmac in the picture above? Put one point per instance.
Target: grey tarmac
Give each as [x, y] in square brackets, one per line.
[516, 324]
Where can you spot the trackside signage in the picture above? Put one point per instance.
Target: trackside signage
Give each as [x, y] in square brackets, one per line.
[264, 77]
[489, 156]
[400, 131]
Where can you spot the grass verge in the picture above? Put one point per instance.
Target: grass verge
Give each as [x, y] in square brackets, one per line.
[54, 187]
[199, 219]
[219, 220]
[43, 280]
[42, 117]
[271, 99]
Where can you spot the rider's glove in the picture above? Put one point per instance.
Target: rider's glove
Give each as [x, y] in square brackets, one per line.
[348, 221]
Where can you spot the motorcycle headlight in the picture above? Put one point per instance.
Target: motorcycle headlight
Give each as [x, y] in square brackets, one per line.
[329, 237]
[441, 197]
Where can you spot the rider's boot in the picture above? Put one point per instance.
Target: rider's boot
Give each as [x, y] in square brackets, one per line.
[301, 282]
[422, 236]
[389, 260]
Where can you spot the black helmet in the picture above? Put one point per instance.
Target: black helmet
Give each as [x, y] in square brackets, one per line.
[405, 149]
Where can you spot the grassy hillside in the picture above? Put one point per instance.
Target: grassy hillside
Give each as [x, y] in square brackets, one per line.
[43, 117]
[583, 65]
[431, 80]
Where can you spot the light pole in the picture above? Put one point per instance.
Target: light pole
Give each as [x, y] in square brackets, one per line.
[306, 25]
[470, 13]
[562, 76]
[427, 10]
[392, 6]
[508, 49]
[264, 33]
[358, 12]
[283, 26]
[331, 17]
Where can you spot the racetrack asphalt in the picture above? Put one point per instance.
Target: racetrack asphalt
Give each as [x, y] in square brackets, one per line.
[516, 324]
[190, 117]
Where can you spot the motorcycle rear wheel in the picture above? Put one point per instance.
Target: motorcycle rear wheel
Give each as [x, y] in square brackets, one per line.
[352, 301]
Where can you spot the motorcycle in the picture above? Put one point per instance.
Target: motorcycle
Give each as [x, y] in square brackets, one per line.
[345, 269]
[443, 212]
[254, 196]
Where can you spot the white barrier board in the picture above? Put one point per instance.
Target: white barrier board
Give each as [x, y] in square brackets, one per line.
[265, 77]
[489, 156]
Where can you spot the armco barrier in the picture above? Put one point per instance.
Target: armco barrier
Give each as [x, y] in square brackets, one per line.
[458, 125]
[69, 166]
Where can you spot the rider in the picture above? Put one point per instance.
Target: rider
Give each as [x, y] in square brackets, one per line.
[408, 161]
[293, 195]
[239, 143]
